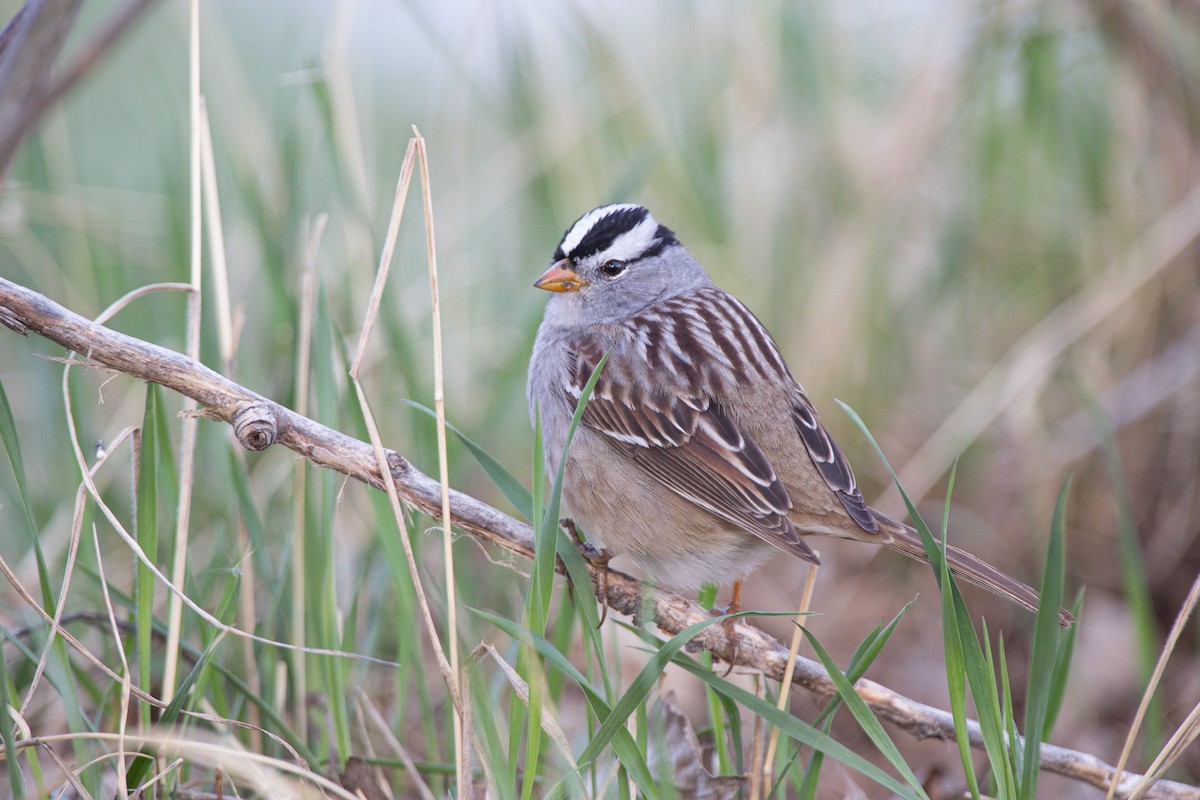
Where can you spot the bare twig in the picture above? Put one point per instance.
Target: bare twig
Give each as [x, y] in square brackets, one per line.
[258, 423]
[31, 45]
[29, 84]
[1142, 33]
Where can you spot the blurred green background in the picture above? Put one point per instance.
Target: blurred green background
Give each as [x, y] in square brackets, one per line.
[976, 223]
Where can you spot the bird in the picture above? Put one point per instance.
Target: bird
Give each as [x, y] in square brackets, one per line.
[698, 454]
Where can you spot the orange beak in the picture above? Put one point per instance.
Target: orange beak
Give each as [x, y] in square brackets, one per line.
[560, 278]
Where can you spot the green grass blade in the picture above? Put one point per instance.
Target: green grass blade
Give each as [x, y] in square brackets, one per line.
[936, 559]
[863, 714]
[16, 781]
[12, 448]
[982, 682]
[1062, 668]
[955, 655]
[622, 742]
[864, 655]
[146, 532]
[707, 598]
[541, 585]
[796, 728]
[957, 618]
[547, 533]
[640, 688]
[581, 578]
[1045, 647]
[1133, 574]
[1008, 716]
[508, 484]
[527, 655]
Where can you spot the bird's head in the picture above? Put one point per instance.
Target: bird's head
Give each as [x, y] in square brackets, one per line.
[613, 262]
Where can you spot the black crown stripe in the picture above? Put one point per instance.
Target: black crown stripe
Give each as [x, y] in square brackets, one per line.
[607, 229]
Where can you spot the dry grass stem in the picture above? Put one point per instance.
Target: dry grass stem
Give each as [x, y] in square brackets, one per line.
[216, 244]
[413, 154]
[273, 777]
[1186, 732]
[1031, 358]
[371, 714]
[439, 406]
[785, 686]
[68, 572]
[521, 688]
[200, 136]
[758, 769]
[385, 257]
[1181, 619]
[142, 291]
[122, 784]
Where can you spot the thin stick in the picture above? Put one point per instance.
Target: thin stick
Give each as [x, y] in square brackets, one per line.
[1152, 686]
[810, 582]
[1185, 612]
[68, 571]
[385, 257]
[135, 548]
[758, 776]
[439, 406]
[216, 245]
[1180, 741]
[378, 454]
[64, 79]
[187, 437]
[119, 646]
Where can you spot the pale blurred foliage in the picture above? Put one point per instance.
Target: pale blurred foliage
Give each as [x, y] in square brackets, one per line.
[902, 194]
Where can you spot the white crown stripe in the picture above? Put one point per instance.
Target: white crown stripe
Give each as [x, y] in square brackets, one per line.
[588, 221]
[630, 245]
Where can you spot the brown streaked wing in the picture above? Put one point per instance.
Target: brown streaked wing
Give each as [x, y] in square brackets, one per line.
[690, 445]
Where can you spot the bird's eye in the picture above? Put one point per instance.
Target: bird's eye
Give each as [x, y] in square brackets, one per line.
[612, 268]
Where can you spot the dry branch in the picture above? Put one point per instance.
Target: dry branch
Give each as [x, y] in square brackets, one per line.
[259, 422]
[30, 82]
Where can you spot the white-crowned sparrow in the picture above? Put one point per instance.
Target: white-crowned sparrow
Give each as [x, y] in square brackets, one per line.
[699, 455]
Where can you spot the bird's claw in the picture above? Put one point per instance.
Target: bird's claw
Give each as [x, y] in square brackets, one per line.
[735, 605]
[732, 635]
[596, 556]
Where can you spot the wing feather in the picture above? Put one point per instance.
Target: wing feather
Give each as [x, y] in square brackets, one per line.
[832, 465]
[690, 444]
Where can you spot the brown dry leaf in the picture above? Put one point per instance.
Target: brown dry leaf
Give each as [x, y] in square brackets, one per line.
[675, 754]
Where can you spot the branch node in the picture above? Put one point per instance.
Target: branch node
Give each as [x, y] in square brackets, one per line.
[256, 426]
[11, 320]
[398, 464]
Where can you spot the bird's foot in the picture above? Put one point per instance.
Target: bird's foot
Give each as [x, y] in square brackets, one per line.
[598, 557]
[735, 605]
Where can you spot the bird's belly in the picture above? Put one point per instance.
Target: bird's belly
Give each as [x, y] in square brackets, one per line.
[677, 544]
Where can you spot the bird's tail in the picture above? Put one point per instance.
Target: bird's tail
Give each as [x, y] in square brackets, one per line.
[967, 567]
